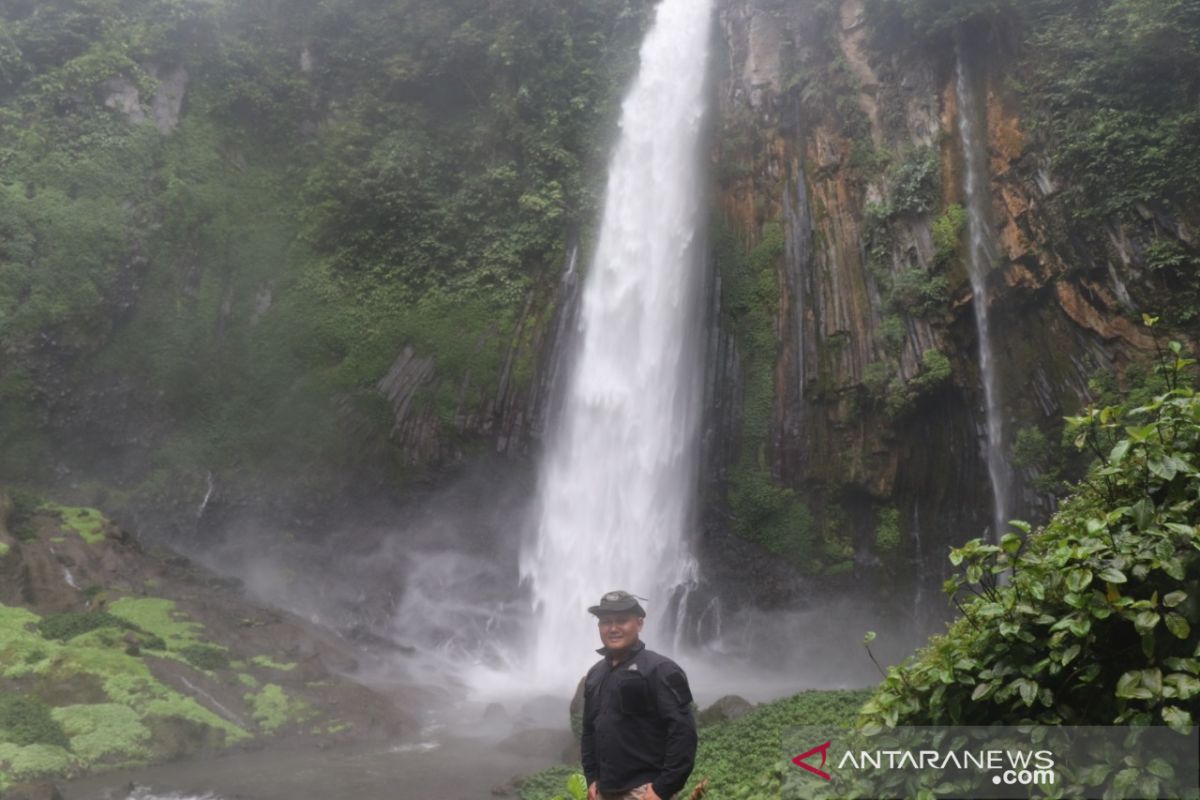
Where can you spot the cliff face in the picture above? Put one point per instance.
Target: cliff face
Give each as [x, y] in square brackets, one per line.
[393, 296]
[849, 148]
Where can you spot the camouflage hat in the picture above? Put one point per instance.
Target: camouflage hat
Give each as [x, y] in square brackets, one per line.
[616, 602]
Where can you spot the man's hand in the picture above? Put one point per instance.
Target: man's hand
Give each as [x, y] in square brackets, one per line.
[648, 793]
[593, 792]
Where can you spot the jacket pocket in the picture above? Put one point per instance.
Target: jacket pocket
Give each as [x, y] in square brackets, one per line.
[634, 692]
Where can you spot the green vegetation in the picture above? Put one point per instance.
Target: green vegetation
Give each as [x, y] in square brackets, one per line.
[934, 21]
[1097, 622]
[106, 730]
[947, 236]
[160, 618]
[72, 623]
[205, 656]
[90, 650]
[87, 522]
[346, 178]
[887, 533]
[26, 720]
[1109, 91]
[914, 184]
[547, 784]
[31, 762]
[270, 663]
[764, 511]
[23, 507]
[272, 708]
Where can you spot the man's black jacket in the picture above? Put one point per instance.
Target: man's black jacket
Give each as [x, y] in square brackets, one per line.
[638, 726]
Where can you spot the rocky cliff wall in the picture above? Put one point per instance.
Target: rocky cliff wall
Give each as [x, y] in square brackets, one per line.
[848, 149]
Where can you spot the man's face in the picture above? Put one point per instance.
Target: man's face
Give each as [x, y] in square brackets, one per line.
[619, 631]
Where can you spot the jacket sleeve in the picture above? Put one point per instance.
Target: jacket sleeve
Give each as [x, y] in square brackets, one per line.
[587, 741]
[674, 698]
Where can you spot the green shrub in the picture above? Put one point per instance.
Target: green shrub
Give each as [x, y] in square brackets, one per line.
[25, 720]
[947, 236]
[1098, 621]
[887, 532]
[546, 784]
[919, 293]
[73, 623]
[740, 757]
[205, 656]
[20, 515]
[916, 182]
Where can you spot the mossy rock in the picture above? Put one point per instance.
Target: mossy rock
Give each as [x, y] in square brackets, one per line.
[26, 720]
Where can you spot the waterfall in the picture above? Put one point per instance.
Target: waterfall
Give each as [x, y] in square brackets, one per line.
[982, 257]
[617, 483]
[207, 494]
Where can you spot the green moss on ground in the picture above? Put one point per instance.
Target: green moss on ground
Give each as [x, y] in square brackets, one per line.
[268, 662]
[88, 523]
[104, 731]
[26, 720]
[208, 657]
[19, 763]
[3, 549]
[71, 624]
[160, 618]
[273, 708]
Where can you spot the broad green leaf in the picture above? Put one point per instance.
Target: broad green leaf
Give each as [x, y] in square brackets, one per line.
[1162, 468]
[1179, 720]
[1117, 455]
[1113, 575]
[1181, 686]
[1172, 599]
[1145, 621]
[1129, 686]
[1143, 513]
[1152, 680]
[1078, 579]
[1160, 768]
[1178, 625]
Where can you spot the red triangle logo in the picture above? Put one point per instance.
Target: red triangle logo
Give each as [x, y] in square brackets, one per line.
[823, 749]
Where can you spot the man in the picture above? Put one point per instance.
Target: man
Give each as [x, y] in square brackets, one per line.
[639, 734]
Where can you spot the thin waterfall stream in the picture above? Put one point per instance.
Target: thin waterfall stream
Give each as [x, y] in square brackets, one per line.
[982, 258]
[617, 485]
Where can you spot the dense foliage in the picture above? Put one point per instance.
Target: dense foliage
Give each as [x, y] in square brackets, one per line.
[1094, 619]
[343, 178]
[1110, 87]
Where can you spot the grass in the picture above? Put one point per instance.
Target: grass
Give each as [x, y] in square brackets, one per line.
[266, 661]
[272, 708]
[103, 731]
[19, 763]
[134, 698]
[160, 618]
[88, 523]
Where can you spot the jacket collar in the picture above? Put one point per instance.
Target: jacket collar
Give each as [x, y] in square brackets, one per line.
[637, 647]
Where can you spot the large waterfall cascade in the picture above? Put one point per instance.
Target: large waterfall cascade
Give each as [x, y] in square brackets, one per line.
[617, 484]
[982, 257]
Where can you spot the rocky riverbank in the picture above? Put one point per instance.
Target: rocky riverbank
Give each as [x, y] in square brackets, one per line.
[113, 655]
